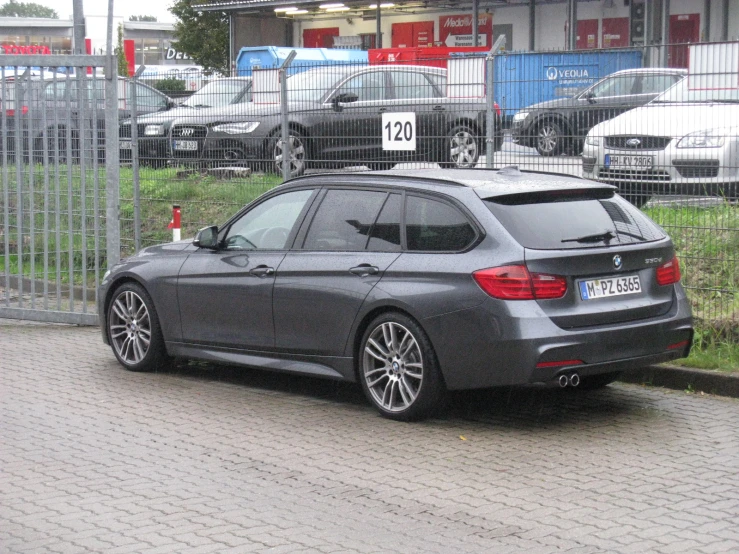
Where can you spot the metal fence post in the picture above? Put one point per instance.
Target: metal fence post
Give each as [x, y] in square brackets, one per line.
[112, 163]
[135, 161]
[490, 101]
[286, 146]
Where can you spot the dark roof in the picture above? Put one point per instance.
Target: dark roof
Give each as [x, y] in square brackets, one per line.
[487, 183]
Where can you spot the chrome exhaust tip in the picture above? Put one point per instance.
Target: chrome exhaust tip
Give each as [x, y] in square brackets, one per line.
[564, 381]
[574, 380]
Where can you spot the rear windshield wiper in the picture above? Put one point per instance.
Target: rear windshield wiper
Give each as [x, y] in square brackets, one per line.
[632, 235]
[597, 237]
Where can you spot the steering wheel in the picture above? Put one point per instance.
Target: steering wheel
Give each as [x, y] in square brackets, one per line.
[275, 238]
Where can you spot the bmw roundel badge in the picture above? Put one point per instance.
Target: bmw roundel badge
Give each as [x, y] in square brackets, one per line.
[617, 262]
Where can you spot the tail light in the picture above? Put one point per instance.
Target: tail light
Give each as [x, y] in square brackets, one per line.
[497, 108]
[515, 282]
[11, 112]
[669, 273]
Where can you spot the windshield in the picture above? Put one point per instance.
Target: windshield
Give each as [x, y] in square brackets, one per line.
[691, 89]
[219, 93]
[310, 86]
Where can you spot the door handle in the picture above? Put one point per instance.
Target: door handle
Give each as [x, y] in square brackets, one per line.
[362, 270]
[439, 108]
[382, 110]
[262, 271]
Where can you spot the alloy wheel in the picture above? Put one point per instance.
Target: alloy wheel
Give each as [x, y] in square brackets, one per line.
[547, 138]
[392, 366]
[130, 327]
[463, 149]
[297, 155]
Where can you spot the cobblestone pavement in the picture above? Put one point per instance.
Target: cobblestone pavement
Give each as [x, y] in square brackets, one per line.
[212, 459]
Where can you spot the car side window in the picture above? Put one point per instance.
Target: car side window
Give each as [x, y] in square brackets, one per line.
[56, 90]
[268, 225]
[385, 234]
[344, 220]
[367, 86]
[618, 85]
[409, 85]
[435, 226]
[655, 84]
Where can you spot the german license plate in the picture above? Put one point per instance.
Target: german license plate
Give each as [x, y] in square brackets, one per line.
[614, 286]
[125, 144]
[628, 162]
[186, 145]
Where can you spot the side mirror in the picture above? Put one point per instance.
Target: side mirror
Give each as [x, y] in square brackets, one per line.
[207, 237]
[344, 98]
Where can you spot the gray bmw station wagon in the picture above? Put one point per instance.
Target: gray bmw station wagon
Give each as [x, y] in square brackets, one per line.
[412, 283]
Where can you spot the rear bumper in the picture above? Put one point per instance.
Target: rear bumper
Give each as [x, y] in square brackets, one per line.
[486, 347]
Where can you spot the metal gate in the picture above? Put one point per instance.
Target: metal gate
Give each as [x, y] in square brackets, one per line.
[59, 206]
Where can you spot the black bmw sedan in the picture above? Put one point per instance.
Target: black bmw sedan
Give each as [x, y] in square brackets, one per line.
[412, 283]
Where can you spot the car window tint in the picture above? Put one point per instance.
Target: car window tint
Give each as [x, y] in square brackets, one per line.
[655, 84]
[344, 220]
[385, 235]
[268, 225]
[56, 90]
[618, 85]
[439, 81]
[367, 86]
[146, 97]
[555, 224]
[408, 85]
[436, 226]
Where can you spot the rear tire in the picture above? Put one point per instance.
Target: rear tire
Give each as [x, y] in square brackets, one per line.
[298, 153]
[398, 369]
[461, 148]
[594, 382]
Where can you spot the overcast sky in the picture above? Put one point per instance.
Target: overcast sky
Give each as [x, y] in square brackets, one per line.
[123, 8]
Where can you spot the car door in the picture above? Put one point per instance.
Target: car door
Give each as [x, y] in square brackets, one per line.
[322, 283]
[413, 91]
[225, 296]
[352, 129]
[605, 100]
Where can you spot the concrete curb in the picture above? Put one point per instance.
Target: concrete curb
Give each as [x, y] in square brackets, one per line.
[684, 378]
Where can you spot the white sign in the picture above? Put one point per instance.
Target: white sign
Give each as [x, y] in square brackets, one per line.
[399, 131]
[466, 40]
[466, 78]
[713, 66]
[266, 86]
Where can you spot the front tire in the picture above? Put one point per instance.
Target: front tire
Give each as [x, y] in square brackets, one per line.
[133, 329]
[398, 369]
[298, 151]
[461, 148]
[549, 138]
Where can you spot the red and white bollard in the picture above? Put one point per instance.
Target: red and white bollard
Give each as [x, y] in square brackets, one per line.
[175, 223]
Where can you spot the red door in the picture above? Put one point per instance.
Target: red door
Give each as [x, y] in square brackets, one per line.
[320, 38]
[587, 34]
[615, 32]
[412, 35]
[684, 29]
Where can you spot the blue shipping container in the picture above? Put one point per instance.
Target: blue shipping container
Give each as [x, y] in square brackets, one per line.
[271, 57]
[523, 79]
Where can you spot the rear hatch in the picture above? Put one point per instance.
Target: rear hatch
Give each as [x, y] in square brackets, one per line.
[607, 250]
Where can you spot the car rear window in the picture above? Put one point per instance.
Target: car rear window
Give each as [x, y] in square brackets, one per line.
[555, 223]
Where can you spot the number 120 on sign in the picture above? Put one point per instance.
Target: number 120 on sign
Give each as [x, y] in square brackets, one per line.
[399, 131]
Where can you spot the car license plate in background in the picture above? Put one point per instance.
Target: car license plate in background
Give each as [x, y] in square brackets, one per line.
[628, 162]
[125, 144]
[185, 145]
[615, 286]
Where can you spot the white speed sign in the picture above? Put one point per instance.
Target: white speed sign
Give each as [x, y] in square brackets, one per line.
[399, 131]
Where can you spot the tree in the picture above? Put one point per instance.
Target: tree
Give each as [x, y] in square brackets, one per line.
[26, 9]
[142, 18]
[201, 35]
[121, 54]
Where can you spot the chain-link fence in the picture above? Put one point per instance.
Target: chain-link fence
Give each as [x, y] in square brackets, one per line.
[665, 136]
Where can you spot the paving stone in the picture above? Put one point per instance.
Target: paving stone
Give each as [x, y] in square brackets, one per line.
[209, 459]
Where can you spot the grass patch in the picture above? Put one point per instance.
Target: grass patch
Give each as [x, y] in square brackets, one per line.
[712, 352]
